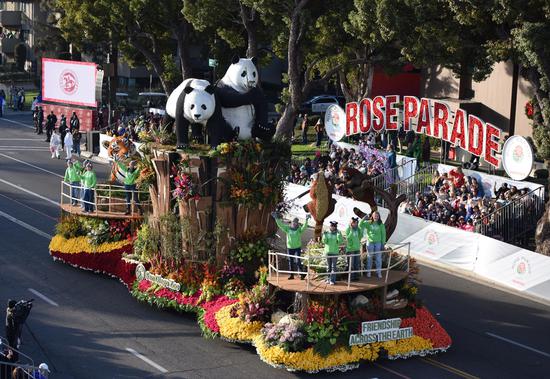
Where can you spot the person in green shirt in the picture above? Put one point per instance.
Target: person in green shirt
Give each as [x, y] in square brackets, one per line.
[376, 239]
[332, 241]
[354, 235]
[89, 182]
[131, 174]
[72, 176]
[293, 242]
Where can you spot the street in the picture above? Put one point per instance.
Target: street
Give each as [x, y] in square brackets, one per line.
[86, 325]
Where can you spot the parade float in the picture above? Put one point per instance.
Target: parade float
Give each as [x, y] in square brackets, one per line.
[207, 245]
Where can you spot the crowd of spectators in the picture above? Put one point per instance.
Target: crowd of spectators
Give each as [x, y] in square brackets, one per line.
[459, 201]
[133, 127]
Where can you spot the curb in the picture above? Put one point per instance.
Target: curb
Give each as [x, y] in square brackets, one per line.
[469, 275]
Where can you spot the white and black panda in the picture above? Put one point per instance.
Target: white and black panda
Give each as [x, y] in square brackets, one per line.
[244, 105]
[194, 103]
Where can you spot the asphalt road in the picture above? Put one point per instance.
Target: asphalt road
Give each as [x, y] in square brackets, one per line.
[88, 326]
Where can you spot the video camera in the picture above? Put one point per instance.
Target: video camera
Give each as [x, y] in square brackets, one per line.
[21, 311]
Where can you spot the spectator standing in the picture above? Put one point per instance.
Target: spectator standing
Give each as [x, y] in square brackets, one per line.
[332, 241]
[50, 125]
[40, 120]
[293, 242]
[2, 97]
[72, 176]
[391, 156]
[55, 145]
[74, 123]
[305, 127]
[89, 182]
[376, 237]
[130, 176]
[76, 141]
[68, 144]
[426, 151]
[63, 130]
[319, 131]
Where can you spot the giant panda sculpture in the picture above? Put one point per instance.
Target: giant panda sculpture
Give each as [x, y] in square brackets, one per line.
[244, 105]
[194, 103]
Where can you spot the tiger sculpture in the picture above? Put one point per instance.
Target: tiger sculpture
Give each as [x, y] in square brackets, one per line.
[120, 149]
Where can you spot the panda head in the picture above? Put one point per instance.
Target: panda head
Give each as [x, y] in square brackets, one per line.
[199, 104]
[242, 74]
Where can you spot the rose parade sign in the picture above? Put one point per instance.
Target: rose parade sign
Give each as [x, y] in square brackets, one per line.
[380, 331]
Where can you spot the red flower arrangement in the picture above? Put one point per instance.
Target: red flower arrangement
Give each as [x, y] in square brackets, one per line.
[529, 110]
[426, 326]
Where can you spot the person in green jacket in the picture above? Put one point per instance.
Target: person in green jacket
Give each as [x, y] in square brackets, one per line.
[354, 235]
[72, 176]
[332, 240]
[131, 174]
[89, 182]
[376, 239]
[293, 242]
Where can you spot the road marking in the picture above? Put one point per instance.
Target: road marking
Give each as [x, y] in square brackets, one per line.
[518, 344]
[44, 297]
[391, 371]
[18, 123]
[31, 165]
[21, 139]
[443, 366]
[30, 148]
[25, 225]
[30, 192]
[31, 208]
[147, 360]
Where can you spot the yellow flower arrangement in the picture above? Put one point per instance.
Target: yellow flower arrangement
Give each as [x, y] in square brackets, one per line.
[235, 329]
[406, 346]
[310, 361]
[81, 245]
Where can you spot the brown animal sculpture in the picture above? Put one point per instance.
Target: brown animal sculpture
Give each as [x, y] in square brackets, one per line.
[321, 204]
[358, 186]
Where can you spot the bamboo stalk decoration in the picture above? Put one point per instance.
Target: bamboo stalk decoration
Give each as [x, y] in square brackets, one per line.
[321, 204]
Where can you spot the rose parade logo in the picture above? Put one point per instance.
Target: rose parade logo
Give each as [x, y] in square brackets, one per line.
[431, 237]
[335, 117]
[521, 267]
[68, 82]
[518, 153]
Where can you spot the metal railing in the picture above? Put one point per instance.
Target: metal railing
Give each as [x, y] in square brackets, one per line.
[308, 262]
[107, 198]
[418, 182]
[511, 222]
[391, 175]
[24, 362]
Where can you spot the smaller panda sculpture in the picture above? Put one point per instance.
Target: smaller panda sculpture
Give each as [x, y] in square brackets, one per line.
[194, 103]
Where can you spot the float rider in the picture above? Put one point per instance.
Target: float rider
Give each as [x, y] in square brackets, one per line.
[293, 242]
[354, 235]
[72, 176]
[332, 241]
[131, 174]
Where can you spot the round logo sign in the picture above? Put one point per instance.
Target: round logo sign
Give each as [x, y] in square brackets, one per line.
[517, 157]
[140, 272]
[335, 122]
[68, 82]
[431, 237]
[521, 267]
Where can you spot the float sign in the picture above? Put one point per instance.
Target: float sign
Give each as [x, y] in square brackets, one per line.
[143, 274]
[335, 122]
[517, 157]
[380, 331]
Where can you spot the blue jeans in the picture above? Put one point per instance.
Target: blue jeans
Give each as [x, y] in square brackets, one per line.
[319, 139]
[304, 138]
[355, 264]
[75, 192]
[131, 192]
[89, 199]
[375, 248]
[331, 261]
[76, 148]
[295, 264]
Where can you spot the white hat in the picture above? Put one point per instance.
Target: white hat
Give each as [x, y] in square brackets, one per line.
[44, 366]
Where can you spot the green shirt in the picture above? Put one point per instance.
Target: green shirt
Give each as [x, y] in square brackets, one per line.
[129, 177]
[376, 232]
[89, 179]
[332, 242]
[72, 175]
[78, 167]
[293, 236]
[353, 238]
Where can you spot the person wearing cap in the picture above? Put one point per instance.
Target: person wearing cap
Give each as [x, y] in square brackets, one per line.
[72, 176]
[42, 372]
[354, 235]
[89, 182]
[376, 239]
[293, 242]
[332, 241]
[131, 174]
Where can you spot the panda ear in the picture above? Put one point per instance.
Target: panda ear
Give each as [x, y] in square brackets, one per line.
[235, 59]
[210, 89]
[254, 60]
[188, 89]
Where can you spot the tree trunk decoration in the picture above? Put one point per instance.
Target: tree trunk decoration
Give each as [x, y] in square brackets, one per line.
[358, 186]
[321, 204]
